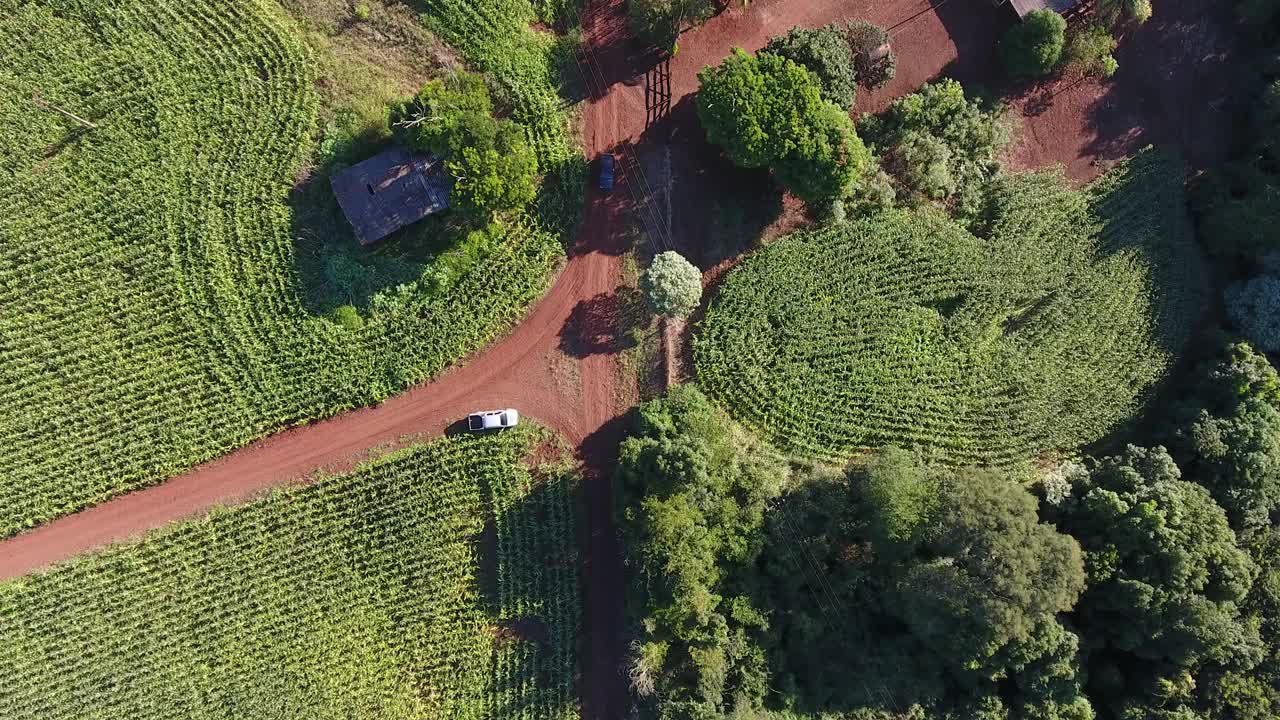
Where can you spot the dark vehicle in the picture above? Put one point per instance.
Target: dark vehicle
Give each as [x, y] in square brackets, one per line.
[606, 172]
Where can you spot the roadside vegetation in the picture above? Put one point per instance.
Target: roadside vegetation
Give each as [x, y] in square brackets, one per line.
[438, 581]
[176, 275]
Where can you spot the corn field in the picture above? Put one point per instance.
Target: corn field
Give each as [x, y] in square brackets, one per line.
[358, 597]
[905, 329]
[153, 313]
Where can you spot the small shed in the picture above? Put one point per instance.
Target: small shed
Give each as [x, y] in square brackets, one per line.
[390, 190]
[1022, 7]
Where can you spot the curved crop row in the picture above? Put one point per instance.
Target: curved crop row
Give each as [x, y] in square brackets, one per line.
[905, 329]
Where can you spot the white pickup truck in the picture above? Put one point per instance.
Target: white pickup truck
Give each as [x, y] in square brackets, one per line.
[493, 419]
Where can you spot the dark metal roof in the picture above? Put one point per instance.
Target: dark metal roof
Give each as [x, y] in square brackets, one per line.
[1022, 7]
[390, 190]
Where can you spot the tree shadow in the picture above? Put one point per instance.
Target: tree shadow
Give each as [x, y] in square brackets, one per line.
[527, 558]
[605, 324]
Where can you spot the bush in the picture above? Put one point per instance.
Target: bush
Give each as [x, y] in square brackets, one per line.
[826, 53]
[1091, 50]
[767, 111]
[361, 11]
[972, 135]
[660, 22]
[1254, 309]
[923, 161]
[1033, 47]
[672, 285]
[865, 41]
[348, 317]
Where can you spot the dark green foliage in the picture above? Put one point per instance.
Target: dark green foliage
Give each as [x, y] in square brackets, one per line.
[1227, 436]
[767, 111]
[1034, 46]
[1166, 579]
[660, 22]
[938, 125]
[874, 67]
[693, 490]
[826, 53]
[493, 166]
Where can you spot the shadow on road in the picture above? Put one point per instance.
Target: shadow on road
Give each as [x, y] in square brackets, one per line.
[605, 323]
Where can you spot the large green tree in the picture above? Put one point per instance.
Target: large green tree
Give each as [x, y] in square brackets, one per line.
[825, 52]
[693, 494]
[767, 111]
[1166, 579]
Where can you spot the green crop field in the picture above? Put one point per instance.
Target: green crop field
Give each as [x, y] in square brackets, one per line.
[155, 303]
[904, 328]
[378, 594]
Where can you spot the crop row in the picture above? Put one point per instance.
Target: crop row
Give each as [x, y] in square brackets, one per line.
[154, 316]
[358, 596]
[903, 329]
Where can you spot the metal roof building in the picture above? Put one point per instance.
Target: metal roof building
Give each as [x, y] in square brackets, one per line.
[390, 190]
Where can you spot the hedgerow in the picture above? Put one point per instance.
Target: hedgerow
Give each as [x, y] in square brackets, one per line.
[903, 328]
[358, 596]
[155, 297]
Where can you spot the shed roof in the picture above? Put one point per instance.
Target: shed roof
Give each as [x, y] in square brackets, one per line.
[1022, 7]
[390, 190]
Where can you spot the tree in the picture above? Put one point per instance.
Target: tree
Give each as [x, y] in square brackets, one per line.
[672, 285]
[767, 111]
[1090, 49]
[1254, 308]
[990, 576]
[825, 52]
[971, 132]
[1034, 46]
[693, 492]
[1166, 577]
[493, 166]
[874, 64]
[1227, 436]
[899, 495]
[923, 163]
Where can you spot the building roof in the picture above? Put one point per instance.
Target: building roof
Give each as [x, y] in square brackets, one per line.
[390, 190]
[1022, 7]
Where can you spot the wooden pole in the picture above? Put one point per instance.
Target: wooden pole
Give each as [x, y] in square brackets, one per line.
[46, 105]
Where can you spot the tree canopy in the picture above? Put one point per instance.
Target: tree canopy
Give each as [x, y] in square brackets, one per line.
[1034, 46]
[826, 53]
[672, 285]
[767, 111]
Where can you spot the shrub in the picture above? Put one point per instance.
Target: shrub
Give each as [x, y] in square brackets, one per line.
[493, 165]
[922, 161]
[361, 11]
[826, 53]
[672, 285]
[1034, 46]
[1091, 50]
[660, 22]
[767, 111]
[1254, 308]
[1115, 12]
[865, 41]
[348, 317]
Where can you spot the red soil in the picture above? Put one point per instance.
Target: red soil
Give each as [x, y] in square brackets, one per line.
[554, 370]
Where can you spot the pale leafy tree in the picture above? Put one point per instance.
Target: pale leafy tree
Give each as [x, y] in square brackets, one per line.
[672, 285]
